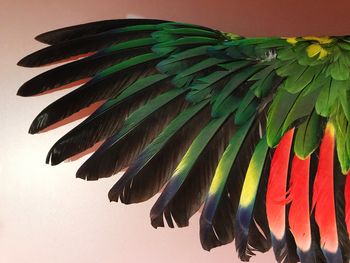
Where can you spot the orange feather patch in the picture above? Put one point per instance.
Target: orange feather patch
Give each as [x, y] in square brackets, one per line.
[323, 197]
[299, 212]
[276, 189]
[347, 203]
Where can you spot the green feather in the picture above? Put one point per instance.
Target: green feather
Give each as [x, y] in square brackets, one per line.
[297, 82]
[262, 87]
[191, 32]
[348, 141]
[328, 96]
[339, 69]
[187, 75]
[247, 108]
[252, 179]
[228, 158]
[344, 97]
[138, 116]
[233, 84]
[136, 28]
[317, 83]
[202, 87]
[134, 88]
[342, 127]
[223, 171]
[234, 65]
[278, 111]
[192, 40]
[262, 74]
[264, 80]
[291, 68]
[285, 54]
[308, 136]
[179, 61]
[127, 63]
[301, 108]
[130, 44]
[197, 147]
[186, 165]
[167, 134]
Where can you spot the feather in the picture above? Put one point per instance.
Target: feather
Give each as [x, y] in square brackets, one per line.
[176, 63]
[105, 85]
[299, 211]
[300, 80]
[107, 119]
[186, 189]
[323, 199]
[308, 136]
[238, 79]
[85, 45]
[153, 167]
[347, 202]
[276, 200]
[140, 128]
[186, 77]
[248, 201]
[340, 210]
[185, 108]
[328, 95]
[287, 110]
[86, 67]
[207, 233]
[88, 29]
[202, 87]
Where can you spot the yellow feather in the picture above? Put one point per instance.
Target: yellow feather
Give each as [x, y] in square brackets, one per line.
[323, 53]
[313, 50]
[292, 40]
[321, 40]
[250, 185]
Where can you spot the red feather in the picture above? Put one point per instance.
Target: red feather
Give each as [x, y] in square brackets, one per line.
[347, 203]
[276, 188]
[323, 198]
[299, 212]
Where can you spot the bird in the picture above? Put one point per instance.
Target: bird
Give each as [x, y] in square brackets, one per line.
[253, 132]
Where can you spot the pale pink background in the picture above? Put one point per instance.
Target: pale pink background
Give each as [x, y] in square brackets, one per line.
[46, 215]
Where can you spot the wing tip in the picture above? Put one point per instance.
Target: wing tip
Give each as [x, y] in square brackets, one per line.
[45, 37]
[156, 220]
[23, 91]
[53, 157]
[88, 172]
[208, 237]
[39, 123]
[157, 215]
[115, 193]
[28, 62]
[29, 89]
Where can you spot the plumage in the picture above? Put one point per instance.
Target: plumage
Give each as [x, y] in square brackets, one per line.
[153, 116]
[276, 199]
[92, 28]
[85, 45]
[255, 130]
[137, 183]
[109, 117]
[86, 67]
[323, 199]
[347, 203]
[210, 235]
[299, 211]
[211, 141]
[248, 202]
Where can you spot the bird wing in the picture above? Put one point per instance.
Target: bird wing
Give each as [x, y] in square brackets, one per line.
[254, 130]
